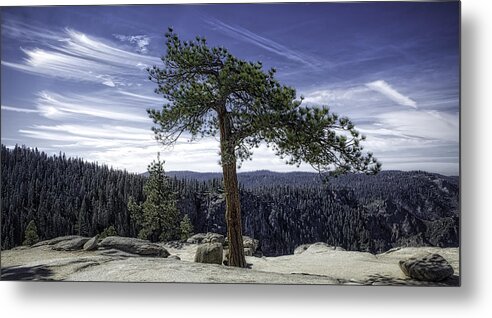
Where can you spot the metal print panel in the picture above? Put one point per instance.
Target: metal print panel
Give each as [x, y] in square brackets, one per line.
[300, 143]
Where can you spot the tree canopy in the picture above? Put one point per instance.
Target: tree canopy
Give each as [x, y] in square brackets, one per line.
[200, 83]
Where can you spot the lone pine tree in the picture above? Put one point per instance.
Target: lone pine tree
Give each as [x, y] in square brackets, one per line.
[208, 91]
[158, 215]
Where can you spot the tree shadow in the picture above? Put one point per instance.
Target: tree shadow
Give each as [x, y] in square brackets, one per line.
[39, 272]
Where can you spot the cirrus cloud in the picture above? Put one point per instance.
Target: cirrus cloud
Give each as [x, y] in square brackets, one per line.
[387, 90]
[77, 56]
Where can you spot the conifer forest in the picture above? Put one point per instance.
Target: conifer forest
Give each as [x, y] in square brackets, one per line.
[65, 196]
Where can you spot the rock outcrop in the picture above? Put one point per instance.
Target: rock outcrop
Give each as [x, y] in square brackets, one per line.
[318, 247]
[134, 246]
[206, 238]
[431, 267]
[248, 251]
[318, 264]
[115, 253]
[210, 253]
[301, 248]
[250, 243]
[91, 244]
[55, 240]
[71, 245]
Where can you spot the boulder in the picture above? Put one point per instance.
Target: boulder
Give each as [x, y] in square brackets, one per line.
[214, 238]
[175, 257]
[174, 244]
[196, 239]
[430, 267]
[248, 251]
[55, 240]
[248, 242]
[251, 243]
[301, 248]
[225, 254]
[71, 245]
[210, 253]
[91, 244]
[318, 247]
[134, 246]
[206, 238]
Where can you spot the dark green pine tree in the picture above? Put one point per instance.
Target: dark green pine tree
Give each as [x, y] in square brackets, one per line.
[185, 227]
[109, 231]
[31, 234]
[208, 91]
[158, 216]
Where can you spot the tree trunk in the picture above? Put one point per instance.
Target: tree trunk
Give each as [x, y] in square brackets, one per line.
[231, 189]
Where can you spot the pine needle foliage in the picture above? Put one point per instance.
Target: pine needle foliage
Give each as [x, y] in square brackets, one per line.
[200, 82]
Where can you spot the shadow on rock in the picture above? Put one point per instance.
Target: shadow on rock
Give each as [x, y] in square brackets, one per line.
[386, 280]
[26, 273]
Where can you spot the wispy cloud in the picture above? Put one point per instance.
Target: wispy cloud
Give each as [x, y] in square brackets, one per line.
[158, 99]
[376, 115]
[57, 106]
[28, 32]
[424, 124]
[265, 43]
[335, 95]
[391, 93]
[141, 41]
[19, 109]
[83, 137]
[77, 56]
[401, 137]
[105, 131]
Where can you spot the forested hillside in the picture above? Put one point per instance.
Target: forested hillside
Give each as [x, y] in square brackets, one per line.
[358, 212]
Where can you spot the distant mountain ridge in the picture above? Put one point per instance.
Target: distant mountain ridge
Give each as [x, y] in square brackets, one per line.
[251, 179]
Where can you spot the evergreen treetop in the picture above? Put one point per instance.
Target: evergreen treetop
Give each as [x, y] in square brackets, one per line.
[31, 234]
[158, 215]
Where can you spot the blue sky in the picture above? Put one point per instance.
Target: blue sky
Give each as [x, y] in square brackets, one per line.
[73, 79]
